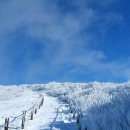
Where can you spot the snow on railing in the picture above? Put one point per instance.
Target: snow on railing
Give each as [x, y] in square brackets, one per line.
[75, 110]
[25, 115]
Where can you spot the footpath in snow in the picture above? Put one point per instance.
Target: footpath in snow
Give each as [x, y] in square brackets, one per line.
[53, 115]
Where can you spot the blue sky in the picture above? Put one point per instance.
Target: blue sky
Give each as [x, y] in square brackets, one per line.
[64, 40]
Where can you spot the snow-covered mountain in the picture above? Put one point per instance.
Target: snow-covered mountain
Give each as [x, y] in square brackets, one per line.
[68, 106]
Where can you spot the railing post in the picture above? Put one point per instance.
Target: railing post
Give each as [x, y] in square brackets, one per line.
[42, 101]
[7, 123]
[32, 115]
[74, 115]
[23, 120]
[39, 106]
[36, 111]
[78, 119]
[25, 113]
[5, 128]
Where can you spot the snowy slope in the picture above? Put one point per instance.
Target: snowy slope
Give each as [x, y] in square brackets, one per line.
[52, 115]
[102, 106]
[97, 106]
[14, 100]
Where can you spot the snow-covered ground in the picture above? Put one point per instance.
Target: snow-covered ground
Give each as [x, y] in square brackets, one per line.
[97, 106]
[53, 115]
[14, 100]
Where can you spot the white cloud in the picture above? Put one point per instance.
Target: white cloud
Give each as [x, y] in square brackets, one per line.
[67, 41]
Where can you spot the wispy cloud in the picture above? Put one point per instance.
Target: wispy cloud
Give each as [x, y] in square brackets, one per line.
[66, 37]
